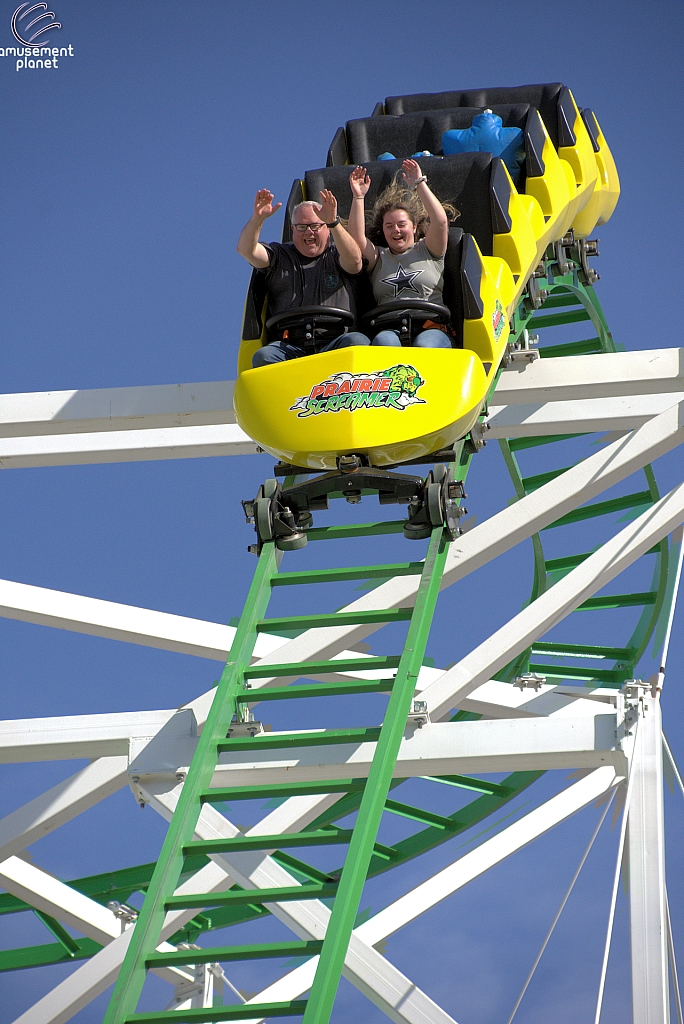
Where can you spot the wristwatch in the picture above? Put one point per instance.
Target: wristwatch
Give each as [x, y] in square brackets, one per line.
[333, 223]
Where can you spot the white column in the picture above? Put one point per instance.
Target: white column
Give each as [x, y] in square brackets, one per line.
[647, 908]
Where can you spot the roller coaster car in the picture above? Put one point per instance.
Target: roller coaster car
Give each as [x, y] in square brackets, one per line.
[383, 407]
[355, 413]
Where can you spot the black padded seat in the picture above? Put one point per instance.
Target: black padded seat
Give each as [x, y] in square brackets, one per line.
[546, 98]
[406, 134]
[463, 179]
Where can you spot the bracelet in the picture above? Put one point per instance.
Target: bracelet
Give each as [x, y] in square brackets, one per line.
[419, 181]
[333, 224]
[358, 197]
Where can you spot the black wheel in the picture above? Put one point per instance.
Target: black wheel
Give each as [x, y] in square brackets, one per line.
[263, 519]
[434, 501]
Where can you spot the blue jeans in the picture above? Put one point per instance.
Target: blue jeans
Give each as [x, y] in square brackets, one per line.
[278, 351]
[431, 338]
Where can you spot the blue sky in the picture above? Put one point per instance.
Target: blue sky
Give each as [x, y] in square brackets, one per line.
[126, 176]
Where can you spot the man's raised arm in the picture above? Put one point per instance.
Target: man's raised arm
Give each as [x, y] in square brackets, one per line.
[349, 252]
[249, 245]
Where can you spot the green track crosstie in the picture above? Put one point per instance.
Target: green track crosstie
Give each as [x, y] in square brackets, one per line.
[232, 693]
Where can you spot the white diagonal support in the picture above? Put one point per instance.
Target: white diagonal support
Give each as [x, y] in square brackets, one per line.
[559, 808]
[551, 607]
[401, 1000]
[94, 976]
[62, 803]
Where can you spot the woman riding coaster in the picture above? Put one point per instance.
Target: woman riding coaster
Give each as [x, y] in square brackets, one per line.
[414, 224]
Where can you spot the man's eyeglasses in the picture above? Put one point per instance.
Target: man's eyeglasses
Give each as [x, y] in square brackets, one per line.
[301, 228]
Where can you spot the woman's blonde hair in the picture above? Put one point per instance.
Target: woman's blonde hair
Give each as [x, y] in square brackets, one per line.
[398, 196]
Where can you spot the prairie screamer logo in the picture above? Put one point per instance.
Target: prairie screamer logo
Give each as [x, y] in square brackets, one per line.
[395, 388]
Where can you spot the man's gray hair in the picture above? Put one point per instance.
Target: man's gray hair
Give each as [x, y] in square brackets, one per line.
[309, 202]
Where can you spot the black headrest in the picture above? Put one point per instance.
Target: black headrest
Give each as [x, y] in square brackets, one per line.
[462, 179]
[544, 97]
[407, 134]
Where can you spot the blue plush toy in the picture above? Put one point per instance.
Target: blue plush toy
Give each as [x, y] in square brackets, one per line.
[486, 135]
[391, 156]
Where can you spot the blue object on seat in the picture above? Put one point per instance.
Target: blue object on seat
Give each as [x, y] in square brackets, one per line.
[486, 135]
[423, 152]
[387, 156]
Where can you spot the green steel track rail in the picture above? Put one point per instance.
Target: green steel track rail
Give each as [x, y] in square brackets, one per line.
[232, 693]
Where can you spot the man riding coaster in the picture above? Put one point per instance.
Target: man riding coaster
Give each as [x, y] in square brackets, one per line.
[318, 268]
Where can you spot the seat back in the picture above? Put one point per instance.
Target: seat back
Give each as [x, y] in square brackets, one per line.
[545, 97]
[407, 134]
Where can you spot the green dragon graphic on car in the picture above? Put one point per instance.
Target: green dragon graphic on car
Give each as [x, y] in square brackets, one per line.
[395, 388]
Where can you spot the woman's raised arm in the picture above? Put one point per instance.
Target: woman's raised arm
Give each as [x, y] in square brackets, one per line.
[437, 235]
[359, 182]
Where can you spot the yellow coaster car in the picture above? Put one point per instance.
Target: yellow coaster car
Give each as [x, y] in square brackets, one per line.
[387, 405]
[353, 414]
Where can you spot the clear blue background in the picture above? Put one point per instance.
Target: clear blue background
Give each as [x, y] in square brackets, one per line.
[126, 176]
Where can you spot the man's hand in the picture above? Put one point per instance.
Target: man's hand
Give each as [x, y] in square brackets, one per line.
[263, 204]
[328, 210]
[411, 172]
[359, 182]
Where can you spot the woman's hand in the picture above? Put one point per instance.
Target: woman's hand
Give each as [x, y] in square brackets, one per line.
[412, 172]
[263, 204]
[359, 182]
[328, 206]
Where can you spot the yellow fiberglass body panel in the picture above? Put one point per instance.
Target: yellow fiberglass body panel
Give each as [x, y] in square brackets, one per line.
[390, 404]
[488, 335]
[582, 161]
[518, 247]
[606, 191]
[553, 190]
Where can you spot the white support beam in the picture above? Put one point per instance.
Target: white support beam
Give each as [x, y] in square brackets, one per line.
[647, 898]
[94, 977]
[503, 531]
[46, 893]
[110, 409]
[444, 748]
[62, 803]
[577, 417]
[551, 607]
[77, 736]
[606, 375]
[145, 445]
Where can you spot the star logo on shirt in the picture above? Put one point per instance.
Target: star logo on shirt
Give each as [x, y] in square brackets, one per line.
[403, 279]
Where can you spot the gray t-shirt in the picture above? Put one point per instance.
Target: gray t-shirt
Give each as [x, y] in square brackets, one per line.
[415, 274]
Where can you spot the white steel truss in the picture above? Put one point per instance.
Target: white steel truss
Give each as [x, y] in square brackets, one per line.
[640, 395]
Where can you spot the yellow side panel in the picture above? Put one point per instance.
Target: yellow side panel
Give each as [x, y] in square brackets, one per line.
[554, 191]
[246, 354]
[518, 247]
[488, 335]
[606, 192]
[390, 404]
[581, 160]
